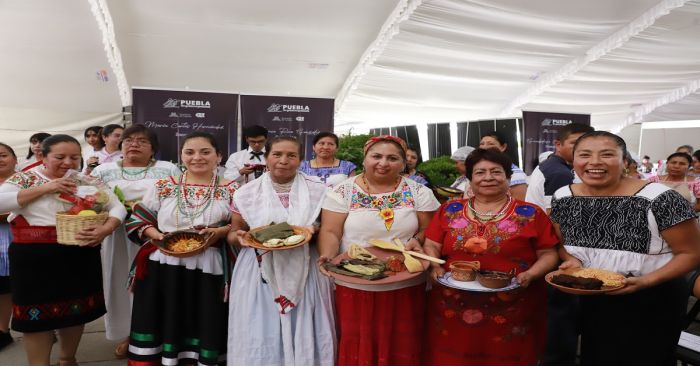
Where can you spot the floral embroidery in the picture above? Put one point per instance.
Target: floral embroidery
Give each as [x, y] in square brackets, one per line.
[26, 180]
[166, 189]
[500, 309]
[482, 238]
[385, 203]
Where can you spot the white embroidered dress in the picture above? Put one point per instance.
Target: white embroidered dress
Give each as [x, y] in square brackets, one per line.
[259, 333]
[117, 250]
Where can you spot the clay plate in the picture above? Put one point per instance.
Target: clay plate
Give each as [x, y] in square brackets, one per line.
[576, 291]
[382, 254]
[298, 230]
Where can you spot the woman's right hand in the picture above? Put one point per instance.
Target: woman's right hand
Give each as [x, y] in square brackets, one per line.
[242, 242]
[153, 234]
[61, 185]
[320, 262]
[436, 271]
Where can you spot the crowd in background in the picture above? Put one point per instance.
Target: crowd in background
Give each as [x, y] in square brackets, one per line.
[588, 203]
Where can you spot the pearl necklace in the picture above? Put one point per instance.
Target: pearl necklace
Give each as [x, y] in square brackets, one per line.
[488, 216]
[192, 210]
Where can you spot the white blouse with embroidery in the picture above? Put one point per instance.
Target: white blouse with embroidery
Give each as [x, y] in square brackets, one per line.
[134, 182]
[162, 198]
[42, 211]
[364, 221]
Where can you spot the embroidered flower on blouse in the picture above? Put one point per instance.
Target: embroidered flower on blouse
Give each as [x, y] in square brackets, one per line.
[525, 210]
[476, 245]
[472, 316]
[454, 207]
[508, 226]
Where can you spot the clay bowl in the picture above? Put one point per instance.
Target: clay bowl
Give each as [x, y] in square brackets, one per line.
[494, 279]
[464, 271]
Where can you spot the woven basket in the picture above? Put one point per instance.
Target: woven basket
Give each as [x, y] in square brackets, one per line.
[69, 225]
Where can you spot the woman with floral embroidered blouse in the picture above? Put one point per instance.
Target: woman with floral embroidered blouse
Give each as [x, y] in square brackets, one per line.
[378, 324]
[503, 234]
[180, 313]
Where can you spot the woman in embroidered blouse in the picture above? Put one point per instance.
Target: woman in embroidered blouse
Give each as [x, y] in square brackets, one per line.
[35, 156]
[179, 313]
[678, 179]
[325, 165]
[8, 162]
[643, 230]
[518, 181]
[53, 286]
[133, 176]
[379, 324]
[280, 293]
[503, 234]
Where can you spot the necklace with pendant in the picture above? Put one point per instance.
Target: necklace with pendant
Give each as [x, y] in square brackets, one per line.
[386, 208]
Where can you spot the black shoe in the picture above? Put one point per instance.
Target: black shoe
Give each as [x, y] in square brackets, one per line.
[5, 339]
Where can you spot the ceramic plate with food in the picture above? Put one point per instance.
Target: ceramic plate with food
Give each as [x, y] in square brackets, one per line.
[474, 286]
[585, 281]
[277, 237]
[371, 266]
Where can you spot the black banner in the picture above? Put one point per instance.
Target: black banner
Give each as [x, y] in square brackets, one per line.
[303, 118]
[174, 114]
[540, 131]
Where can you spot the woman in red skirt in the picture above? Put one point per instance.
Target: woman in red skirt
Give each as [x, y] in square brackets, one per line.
[378, 324]
[502, 234]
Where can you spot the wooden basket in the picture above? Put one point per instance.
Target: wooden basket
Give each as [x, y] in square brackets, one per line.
[69, 225]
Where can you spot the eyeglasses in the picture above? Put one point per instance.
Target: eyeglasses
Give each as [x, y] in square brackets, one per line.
[136, 142]
[495, 173]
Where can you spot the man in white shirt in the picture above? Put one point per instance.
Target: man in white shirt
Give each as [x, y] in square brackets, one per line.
[246, 165]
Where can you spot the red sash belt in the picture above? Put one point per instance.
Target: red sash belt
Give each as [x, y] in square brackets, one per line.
[23, 233]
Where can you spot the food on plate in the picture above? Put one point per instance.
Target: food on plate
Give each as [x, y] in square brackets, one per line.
[275, 231]
[294, 240]
[368, 270]
[610, 279]
[273, 243]
[583, 283]
[494, 279]
[184, 245]
[394, 264]
[464, 271]
[358, 252]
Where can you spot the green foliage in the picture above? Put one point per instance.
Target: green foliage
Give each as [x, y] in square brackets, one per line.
[440, 170]
[351, 148]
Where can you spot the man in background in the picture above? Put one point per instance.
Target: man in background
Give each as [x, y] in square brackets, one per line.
[249, 164]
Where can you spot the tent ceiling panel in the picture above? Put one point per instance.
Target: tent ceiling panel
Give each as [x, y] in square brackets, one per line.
[299, 48]
[51, 56]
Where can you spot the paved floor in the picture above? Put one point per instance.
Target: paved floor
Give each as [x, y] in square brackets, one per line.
[94, 350]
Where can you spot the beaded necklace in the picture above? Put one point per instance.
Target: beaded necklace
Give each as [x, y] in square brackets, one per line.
[193, 210]
[144, 171]
[488, 216]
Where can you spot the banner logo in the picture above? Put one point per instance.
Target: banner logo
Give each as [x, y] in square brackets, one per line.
[199, 115]
[275, 107]
[300, 119]
[183, 103]
[556, 122]
[171, 103]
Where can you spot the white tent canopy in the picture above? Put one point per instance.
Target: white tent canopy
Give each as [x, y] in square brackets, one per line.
[70, 64]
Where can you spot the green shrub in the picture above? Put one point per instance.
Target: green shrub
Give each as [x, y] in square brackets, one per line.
[440, 170]
[351, 149]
